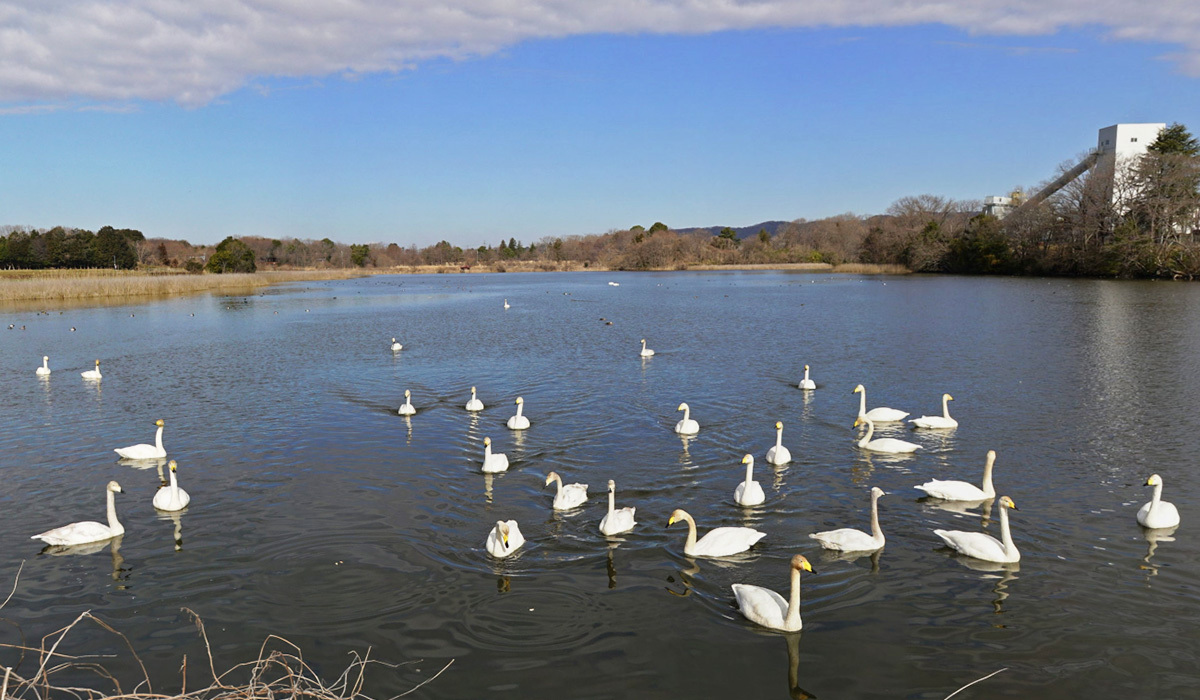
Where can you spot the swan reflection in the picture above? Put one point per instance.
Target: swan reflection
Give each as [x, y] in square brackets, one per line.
[113, 543]
[1153, 536]
[793, 648]
[175, 517]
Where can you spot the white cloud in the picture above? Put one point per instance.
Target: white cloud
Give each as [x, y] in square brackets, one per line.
[193, 51]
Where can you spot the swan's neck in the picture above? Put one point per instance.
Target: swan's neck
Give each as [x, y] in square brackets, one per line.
[792, 620]
[472, 393]
[174, 487]
[687, 414]
[945, 407]
[558, 491]
[114, 525]
[690, 543]
[1157, 495]
[869, 435]
[778, 439]
[1005, 534]
[45, 363]
[487, 451]
[612, 502]
[988, 489]
[862, 403]
[876, 531]
[520, 407]
[749, 474]
[158, 443]
[806, 374]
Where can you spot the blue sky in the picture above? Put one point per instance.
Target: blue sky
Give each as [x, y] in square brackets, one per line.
[574, 132]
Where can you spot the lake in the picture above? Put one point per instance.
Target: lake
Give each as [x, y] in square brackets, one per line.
[320, 515]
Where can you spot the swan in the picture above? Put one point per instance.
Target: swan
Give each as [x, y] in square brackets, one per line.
[44, 370]
[848, 539]
[89, 531]
[943, 421]
[474, 404]
[569, 496]
[406, 408]
[493, 463]
[144, 451]
[879, 415]
[92, 373]
[765, 607]
[504, 539]
[172, 497]
[687, 426]
[778, 454]
[719, 542]
[806, 383]
[749, 492]
[961, 490]
[1157, 513]
[888, 445]
[506, 304]
[519, 422]
[983, 546]
[616, 521]
[646, 352]
[396, 347]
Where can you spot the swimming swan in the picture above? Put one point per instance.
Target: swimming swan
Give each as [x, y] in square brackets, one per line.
[616, 521]
[519, 422]
[983, 546]
[879, 415]
[569, 496]
[506, 304]
[474, 404]
[749, 492]
[1157, 513]
[396, 347]
[493, 463]
[144, 451]
[886, 445]
[765, 607]
[44, 370]
[171, 497]
[406, 408]
[806, 383]
[943, 421]
[961, 490]
[778, 454]
[92, 373]
[848, 539]
[687, 426]
[504, 539]
[719, 542]
[646, 352]
[89, 531]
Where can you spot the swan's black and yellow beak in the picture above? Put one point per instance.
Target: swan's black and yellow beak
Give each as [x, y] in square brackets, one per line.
[670, 521]
[807, 567]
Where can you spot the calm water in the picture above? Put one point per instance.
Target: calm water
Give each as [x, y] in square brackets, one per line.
[320, 515]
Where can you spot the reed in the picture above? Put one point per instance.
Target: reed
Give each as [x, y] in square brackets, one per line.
[61, 285]
[869, 269]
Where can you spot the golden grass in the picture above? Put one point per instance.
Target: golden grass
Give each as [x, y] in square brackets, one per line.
[803, 267]
[64, 285]
[869, 269]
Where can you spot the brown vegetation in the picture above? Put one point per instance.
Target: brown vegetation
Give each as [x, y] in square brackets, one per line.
[59, 285]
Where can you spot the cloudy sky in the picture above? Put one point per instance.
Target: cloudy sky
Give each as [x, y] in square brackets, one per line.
[411, 121]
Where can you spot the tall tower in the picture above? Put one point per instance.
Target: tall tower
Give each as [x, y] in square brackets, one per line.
[1118, 148]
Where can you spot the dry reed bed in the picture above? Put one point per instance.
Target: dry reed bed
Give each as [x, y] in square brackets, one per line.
[869, 269]
[59, 285]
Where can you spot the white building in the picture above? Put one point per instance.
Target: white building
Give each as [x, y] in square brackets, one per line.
[1118, 148]
[998, 207]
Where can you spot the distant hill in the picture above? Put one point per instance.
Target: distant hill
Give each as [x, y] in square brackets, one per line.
[771, 227]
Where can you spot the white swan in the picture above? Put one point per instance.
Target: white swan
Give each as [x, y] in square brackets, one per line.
[493, 463]
[984, 546]
[646, 352]
[396, 347]
[406, 408]
[961, 490]
[144, 451]
[806, 383]
[519, 422]
[719, 542]
[778, 454]
[92, 373]
[687, 426]
[879, 415]
[943, 421]
[171, 497]
[616, 521]
[89, 531]
[569, 496]
[504, 539]
[887, 445]
[44, 370]
[506, 304]
[749, 492]
[1157, 513]
[474, 404]
[848, 539]
[765, 607]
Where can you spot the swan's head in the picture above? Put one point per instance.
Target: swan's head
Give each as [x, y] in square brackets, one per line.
[472, 391]
[519, 400]
[552, 477]
[1006, 502]
[677, 515]
[612, 485]
[682, 407]
[799, 563]
[748, 459]
[876, 492]
[947, 397]
[860, 420]
[115, 487]
[393, 340]
[643, 341]
[173, 465]
[407, 393]
[1154, 480]
[487, 442]
[97, 363]
[45, 358]
[991, 457]
[502, 528]
[805, 369]
[858, 389]
[779, 425]
[159, 422]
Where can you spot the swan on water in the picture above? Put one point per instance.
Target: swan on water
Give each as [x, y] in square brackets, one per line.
[848, 539]
[983, 546]
[44, 370]
[493, 463]
[646, 352]
[778, 454]
[687, 426]
[879, 415]
[938, 422]
[396, 346]
[765, 607]
[506, 304]
[1157, 513]
[171, 497]
[806, 383]
[616, 521]
[749, 492]
[961, 490]
[569, 496]
[519, 422]
[504, 539]
[406, 408]
[88, 531]
[886, 445]
[718, 542]
[92, 373]
[474, 404]
[144, 451]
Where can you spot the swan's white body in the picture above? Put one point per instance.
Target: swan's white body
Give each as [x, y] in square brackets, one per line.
[719, 542]
[749, 492]
[88, 531]
[493, 463]
[941, 422]
[879, 415]
[807, 383]
[961, 490]
[765, 607]
[44, 370]
[172, 497]
[92, 373]
[885, 445]
[406, 408]
[687, 426]
[396, 347]
[616, 521]
[1157, 513]
[569, 496]
[848, 539]
[983, 546]
[519, 422]
[504, 539]
[646, 352]
[778, 454]
[474, 404]
[144, 451]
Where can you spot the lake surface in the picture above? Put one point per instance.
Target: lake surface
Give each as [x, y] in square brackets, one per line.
[320, 515]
